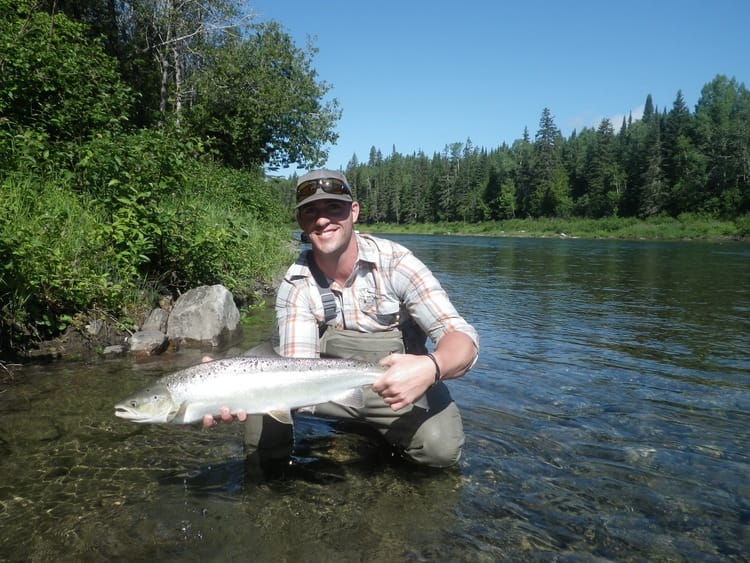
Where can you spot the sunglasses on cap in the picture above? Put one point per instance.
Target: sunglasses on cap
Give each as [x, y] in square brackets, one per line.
[328, 185]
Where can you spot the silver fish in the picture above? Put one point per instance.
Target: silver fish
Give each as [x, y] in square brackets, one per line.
[273, 385]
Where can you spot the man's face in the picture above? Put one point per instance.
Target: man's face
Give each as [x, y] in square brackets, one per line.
[329, 223]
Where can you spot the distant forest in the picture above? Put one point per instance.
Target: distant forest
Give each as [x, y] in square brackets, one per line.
[669, 162]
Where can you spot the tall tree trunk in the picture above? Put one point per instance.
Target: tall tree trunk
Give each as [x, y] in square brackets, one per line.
[177, 85]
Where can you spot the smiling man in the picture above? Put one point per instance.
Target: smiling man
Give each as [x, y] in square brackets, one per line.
[361, 297]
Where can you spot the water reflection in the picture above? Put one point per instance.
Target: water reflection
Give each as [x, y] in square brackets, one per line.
[606, 419]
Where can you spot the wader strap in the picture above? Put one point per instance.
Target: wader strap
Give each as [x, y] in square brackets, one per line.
[326, 295]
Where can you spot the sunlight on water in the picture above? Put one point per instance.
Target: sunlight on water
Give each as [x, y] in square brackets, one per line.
[606, 419]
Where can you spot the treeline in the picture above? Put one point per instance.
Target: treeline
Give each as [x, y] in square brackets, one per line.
[669, 162]
[134, 136]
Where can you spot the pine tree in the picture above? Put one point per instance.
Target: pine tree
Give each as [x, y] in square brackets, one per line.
[604, 175]
[549, 187]
[648, 110]
[722, 134]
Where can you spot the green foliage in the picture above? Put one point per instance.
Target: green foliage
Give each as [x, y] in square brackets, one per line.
[743, 226]
[687, 226]
[109, 167]
[225, 227]
[247, 190]
[62, 252]
[50, 267]
[95, 214]
[56, 87]
[259, 101]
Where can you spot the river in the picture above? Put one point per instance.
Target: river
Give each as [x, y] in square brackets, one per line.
[607, 418]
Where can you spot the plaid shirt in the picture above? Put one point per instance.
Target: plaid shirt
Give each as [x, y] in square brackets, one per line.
[387, 283]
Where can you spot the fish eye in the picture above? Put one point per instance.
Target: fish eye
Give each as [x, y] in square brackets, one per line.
[134, 404]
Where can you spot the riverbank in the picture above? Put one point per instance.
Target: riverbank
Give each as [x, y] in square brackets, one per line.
[685, 227]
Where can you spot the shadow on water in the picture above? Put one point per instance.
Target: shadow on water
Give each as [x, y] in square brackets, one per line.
[324, 452]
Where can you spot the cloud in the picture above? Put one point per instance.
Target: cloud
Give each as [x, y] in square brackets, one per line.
[616, 120]
[592, 121]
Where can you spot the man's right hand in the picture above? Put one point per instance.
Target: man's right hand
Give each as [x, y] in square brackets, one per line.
[225, 415]
[210, 420]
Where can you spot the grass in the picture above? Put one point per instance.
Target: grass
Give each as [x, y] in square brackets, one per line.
[684, 227]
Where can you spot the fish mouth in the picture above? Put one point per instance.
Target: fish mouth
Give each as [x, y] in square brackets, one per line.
[129, 414]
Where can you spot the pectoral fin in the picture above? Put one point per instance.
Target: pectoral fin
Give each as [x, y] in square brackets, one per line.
[353, 398]
[177, 416]
[282, 416]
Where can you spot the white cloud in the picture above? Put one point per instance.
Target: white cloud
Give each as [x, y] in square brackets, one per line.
[591, 121]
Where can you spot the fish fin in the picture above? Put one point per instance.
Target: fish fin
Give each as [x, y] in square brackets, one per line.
[177, 416]
[282, 416]
[353, 398]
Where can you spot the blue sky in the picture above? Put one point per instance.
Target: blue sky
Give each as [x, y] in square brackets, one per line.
[418, 75]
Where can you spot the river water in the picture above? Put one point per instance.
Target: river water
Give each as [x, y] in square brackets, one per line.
[607, 418]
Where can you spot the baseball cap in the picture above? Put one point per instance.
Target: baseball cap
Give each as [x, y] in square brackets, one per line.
[322, 184]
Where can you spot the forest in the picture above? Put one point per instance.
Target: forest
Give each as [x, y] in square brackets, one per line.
[672, 161]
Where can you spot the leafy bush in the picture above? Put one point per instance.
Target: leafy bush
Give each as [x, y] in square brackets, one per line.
[50, 265]
[56, 86]
[743, 226]
[63, 252]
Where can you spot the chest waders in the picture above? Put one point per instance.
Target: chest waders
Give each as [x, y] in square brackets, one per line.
[432, 437]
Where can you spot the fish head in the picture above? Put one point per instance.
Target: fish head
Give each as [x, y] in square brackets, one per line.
[150, 405]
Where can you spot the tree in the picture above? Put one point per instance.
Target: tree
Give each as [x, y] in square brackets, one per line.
[447, 191]
[648, 109]
[604, 175]
[524, 180]
[575, 153]
[653, 191]
[169, 40]
[549, 187]
[260, 101]
[56, 85]
[679, 155]
[722, 133]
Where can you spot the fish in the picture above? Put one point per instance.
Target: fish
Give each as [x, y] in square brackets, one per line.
[268, 385]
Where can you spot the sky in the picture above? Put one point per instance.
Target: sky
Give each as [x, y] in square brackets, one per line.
[419, 75]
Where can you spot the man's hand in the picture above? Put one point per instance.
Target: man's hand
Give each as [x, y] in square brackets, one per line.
[210, 420]
[408, 377]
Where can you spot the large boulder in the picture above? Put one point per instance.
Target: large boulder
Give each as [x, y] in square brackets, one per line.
[157, 320]
[205, 314]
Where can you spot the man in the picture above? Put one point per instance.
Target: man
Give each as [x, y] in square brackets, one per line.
[362, 297]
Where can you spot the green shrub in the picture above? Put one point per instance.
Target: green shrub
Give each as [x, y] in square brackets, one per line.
[742, 225]
[63, 252]
[57, 87]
